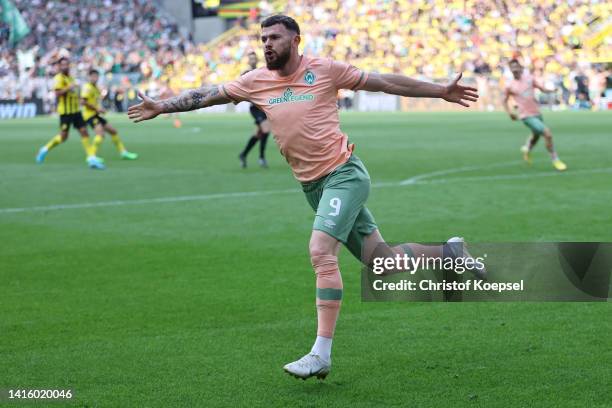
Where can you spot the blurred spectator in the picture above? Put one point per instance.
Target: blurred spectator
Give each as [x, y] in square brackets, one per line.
[582, 102]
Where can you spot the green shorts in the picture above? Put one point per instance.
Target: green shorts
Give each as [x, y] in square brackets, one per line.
[535, 123]
[339, 201]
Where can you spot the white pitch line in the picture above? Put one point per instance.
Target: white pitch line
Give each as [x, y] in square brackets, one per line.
[116, 203]
[416, 180]
[516, 176]
[420, 177]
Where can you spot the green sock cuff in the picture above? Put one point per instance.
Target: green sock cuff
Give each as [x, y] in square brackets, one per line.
[329, 294]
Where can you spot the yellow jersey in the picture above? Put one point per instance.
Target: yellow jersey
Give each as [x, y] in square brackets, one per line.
[91, 94]
[68, 103]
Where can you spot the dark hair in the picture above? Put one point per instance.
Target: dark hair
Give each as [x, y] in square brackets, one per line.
[289, 23]
[93, 71]
[59, 61]
[514, 61]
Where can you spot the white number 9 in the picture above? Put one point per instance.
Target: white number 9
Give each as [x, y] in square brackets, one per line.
[335, 203]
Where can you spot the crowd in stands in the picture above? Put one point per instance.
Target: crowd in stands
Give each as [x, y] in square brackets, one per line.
[436, 39]
[130, 37]
[560, 41]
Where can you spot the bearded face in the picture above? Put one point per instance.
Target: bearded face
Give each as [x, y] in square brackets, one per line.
[278, 43]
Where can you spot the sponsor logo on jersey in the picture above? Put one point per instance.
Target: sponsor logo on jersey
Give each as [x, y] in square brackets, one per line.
[290, 97]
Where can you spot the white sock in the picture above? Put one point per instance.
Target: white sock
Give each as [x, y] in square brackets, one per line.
[322, 348]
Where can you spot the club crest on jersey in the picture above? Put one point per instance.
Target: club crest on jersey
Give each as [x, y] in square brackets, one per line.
[309, 77]
[289, 97]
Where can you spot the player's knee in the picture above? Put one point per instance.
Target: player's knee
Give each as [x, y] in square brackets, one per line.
[317, 249]
[324, 259]
[327, 271]
[324, 262]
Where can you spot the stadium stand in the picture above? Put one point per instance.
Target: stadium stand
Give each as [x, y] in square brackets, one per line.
[116, 37]
[435, 39]
[133, 42]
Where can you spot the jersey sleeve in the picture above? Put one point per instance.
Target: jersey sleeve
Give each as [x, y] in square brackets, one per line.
[238, 90]
[58, 82]
[86, 91]
[347, 76]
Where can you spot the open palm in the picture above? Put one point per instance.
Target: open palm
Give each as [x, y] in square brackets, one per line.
[145, 110]
[460, 94]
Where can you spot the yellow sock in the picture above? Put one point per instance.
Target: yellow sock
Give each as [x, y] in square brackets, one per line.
[96, 144]
[87, 146]
[118, 143]
[57, 139]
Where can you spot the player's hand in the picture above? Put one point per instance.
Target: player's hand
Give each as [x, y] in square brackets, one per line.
[145, 110]
[101, 111]
[460, 94]
[513, 116]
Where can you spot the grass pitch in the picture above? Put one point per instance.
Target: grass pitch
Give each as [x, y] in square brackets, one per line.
[182, 280]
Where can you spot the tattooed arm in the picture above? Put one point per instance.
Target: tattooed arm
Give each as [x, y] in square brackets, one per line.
[189, 100]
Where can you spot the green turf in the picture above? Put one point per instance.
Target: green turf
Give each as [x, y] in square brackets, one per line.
[201, 301]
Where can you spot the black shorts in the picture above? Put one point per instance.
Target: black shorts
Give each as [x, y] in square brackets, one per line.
[95, 119]
[257, 114]
[75, 119]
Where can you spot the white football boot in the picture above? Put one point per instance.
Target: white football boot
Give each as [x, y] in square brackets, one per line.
[308, 366]
[457, 244]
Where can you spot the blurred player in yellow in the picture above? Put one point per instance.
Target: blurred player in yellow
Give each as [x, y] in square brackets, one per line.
[67, 94]
[521, 89]
[92, 114]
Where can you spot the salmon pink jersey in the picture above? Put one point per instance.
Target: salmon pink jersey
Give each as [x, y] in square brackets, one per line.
[522, 90]
[303, 112]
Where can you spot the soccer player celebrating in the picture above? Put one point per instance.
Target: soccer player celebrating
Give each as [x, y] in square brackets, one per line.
[67, 93]
[263, 126]
[298, 95]
[92, 114]
[521, 89]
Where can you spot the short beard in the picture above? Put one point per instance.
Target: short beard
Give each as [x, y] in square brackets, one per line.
[280, 61]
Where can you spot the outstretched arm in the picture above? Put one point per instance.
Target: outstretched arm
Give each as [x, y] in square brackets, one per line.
[189, 100]
[542, 88]
[405, 86]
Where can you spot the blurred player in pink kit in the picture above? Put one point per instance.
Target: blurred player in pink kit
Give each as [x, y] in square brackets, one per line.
[298, 94]
[521, 89]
